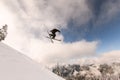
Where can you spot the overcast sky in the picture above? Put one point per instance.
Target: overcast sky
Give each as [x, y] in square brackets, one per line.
[88, 28]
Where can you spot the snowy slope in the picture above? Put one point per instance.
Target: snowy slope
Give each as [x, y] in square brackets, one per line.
[16, 66]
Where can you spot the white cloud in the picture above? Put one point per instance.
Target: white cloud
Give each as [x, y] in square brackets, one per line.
[107, 57]
[28, 22]
[111, 56]
[62, 52]
[109, 11]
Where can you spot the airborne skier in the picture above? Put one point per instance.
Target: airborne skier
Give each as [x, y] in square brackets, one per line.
[53, 33]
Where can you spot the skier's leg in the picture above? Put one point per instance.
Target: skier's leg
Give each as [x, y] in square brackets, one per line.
[50, 35]
[53, 37]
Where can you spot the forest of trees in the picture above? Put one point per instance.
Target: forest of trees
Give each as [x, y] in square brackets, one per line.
[88, 72]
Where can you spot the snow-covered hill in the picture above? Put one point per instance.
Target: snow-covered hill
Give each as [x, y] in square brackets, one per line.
[16, 66]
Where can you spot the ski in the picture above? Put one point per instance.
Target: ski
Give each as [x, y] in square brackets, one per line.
[53, 39]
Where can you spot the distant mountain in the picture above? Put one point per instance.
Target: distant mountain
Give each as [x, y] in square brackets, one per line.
[16, 66]
[89, 72]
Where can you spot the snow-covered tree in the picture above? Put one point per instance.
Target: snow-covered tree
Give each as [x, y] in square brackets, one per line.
[89, 71]
[3, 32]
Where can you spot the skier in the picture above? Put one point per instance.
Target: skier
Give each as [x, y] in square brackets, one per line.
[53, 33]
[3, 32]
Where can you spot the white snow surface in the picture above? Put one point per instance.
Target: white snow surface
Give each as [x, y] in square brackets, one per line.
[16, 66]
